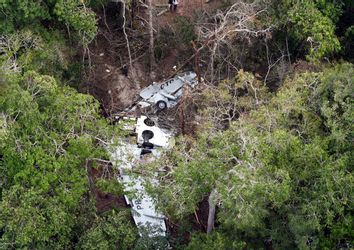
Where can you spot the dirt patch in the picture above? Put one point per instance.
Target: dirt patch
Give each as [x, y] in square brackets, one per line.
[104, 201]
[197, 222]
[108, 53]
[302, 66]
[115, 88]
[187, 8]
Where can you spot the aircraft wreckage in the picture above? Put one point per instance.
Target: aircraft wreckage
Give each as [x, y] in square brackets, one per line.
[145, 146]
[167, 94]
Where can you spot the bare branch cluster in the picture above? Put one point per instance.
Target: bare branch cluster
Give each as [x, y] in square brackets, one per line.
[11, 45]
[241, 19]
[238, 24]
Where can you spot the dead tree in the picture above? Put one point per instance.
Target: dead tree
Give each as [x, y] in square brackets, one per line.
[132, 11]
[196, 62]
[151, 36]
[239, 21]
[278, 62]
[124, 30]
[212, 208]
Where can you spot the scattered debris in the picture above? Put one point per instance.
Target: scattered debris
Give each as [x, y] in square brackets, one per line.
[145, 147]
[125, 70]
[149, 140]
[162, 12]
[167, 94]
[144, 212]
[149, 133]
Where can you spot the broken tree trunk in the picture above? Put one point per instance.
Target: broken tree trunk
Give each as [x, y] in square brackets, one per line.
[126, 37]
[212, 207]
[182, 109]
[151, 36]
[196, 62]
[132, 12]
[122, 14]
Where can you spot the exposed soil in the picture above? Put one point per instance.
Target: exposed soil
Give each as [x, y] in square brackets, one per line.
[108, 53]
[187, 8]
[107, 81]
[104, 201]
[302, 66]
[198, 222]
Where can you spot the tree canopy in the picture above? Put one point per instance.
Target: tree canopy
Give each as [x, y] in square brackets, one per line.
[266, 139]
[282, 171]
[48, 134]
[73, 14]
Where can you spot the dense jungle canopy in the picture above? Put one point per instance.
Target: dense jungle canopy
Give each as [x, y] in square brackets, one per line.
[264, 154]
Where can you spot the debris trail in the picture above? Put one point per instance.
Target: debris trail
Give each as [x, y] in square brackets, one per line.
[149, 140]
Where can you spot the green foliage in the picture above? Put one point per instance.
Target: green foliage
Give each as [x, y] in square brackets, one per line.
[110, 231]
[335, 102]
[52, 57]
[181, 192]
[20, 13]
[31, 219]
[146, 242]
[50, 133]
[14, 47]
[110, 186]
[3, 127]
[80, 18]
[213, 241]
[74, 14]
[233, 97]
[45, 52]
[38, 50]
[312, 23]
[282, 171]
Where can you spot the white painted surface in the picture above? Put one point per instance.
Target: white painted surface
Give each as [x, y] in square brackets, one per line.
[160, 138]
[169, 91]
[144, 212]
[126, 155]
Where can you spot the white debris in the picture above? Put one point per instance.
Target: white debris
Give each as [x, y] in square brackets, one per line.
[126, 155]
[144, 212]
[143, 104]
[151, 134]
[167, 94]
